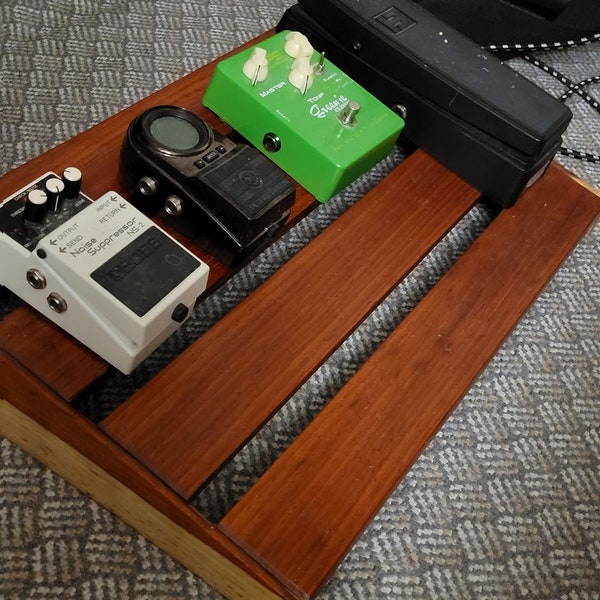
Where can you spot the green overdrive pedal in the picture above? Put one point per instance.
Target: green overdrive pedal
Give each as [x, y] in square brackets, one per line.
[306, 115]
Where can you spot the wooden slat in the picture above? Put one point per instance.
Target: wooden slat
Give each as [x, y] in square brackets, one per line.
[195, 414]
[304, 514]
[59, 360]
[40, 422]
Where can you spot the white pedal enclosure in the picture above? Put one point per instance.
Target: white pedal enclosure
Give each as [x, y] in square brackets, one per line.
[101, 270]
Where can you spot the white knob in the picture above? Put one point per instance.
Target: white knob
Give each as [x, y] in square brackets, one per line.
[301, 75]
[55, 191]
[72, 180]
[256, 67]
[36, 206]
[297, 44]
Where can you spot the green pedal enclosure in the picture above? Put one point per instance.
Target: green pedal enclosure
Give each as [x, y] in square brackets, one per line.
[305, 114]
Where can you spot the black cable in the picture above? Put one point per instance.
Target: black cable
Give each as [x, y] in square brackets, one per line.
[573, 88]
[543, 45]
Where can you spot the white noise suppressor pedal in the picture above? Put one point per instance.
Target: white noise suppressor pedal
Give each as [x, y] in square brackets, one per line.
[101, 270]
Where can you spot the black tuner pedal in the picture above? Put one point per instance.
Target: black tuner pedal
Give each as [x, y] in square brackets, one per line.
[226, 197]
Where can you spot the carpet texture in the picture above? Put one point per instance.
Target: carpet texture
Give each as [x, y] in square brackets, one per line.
[505, 501]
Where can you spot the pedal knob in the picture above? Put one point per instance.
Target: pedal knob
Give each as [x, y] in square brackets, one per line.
[256, 67]
[36, 206]
[72, 180]
[297, 44]
[301, 76]
[55, 192]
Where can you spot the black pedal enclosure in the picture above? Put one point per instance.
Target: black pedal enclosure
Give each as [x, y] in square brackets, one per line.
[491, 126]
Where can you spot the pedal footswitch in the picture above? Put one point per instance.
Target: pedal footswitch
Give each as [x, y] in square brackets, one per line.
[102, 271]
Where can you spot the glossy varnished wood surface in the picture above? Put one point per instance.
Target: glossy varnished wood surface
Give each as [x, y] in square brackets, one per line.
[194, 415]
[59, 360]
[287, 535]
[303, 515]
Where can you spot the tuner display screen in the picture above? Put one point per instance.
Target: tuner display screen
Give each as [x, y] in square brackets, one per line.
[175, 133]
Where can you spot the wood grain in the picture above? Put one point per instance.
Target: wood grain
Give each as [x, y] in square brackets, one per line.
[289, 532]
[59, 360]
[195, 414]
[303, 515]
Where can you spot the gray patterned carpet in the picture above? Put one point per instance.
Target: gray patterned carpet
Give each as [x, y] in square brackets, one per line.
[505, 501]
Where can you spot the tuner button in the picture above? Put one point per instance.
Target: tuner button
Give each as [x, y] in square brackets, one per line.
[72, 180]
[55, 191]
[35, 206]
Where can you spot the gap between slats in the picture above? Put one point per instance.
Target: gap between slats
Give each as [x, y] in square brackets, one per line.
[204, 406]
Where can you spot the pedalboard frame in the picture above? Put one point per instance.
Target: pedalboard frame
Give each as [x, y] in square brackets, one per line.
[370, 431]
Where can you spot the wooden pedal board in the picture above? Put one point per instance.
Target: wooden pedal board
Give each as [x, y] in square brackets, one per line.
[148, 458]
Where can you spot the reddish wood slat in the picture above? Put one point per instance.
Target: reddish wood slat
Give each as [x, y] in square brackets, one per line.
[195, 414]
[304, 514]
[59, 360]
